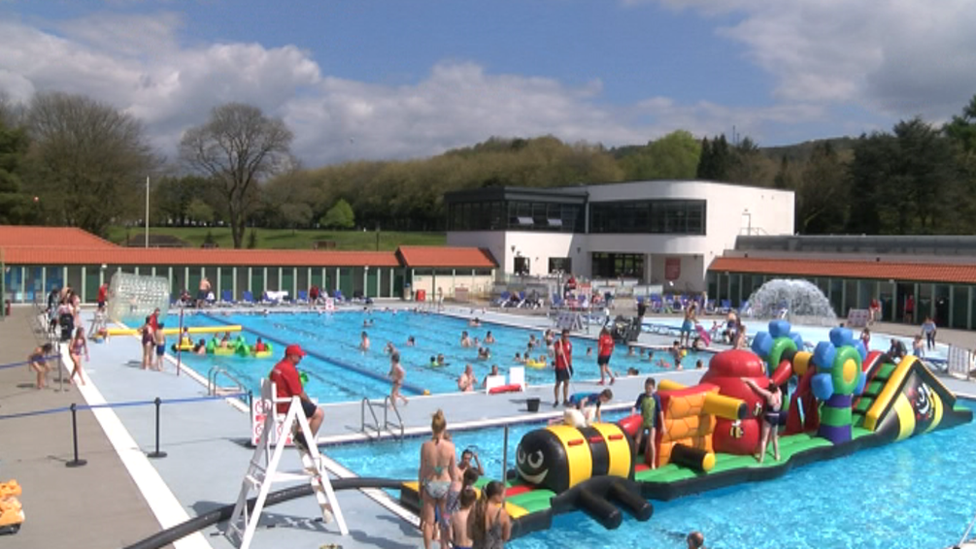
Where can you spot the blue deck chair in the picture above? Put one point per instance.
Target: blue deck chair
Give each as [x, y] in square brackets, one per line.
[302, 297]
[226, 298]
[247, 298]
[339, 297]
[725, 306]
[502, 299]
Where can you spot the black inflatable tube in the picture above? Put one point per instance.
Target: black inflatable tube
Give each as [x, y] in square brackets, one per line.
[636, 505]
[600, 509]
[184, 529]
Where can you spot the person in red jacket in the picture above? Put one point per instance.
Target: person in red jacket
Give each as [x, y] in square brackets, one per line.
[564, 367]
[604, 350]
[288, 383]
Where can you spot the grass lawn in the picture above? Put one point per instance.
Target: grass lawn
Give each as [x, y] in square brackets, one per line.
[289, 239]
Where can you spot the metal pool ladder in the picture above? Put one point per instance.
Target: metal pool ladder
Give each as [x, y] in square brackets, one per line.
[395, 428]
[214, 389]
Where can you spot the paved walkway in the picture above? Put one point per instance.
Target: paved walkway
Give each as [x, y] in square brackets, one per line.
[95, 506]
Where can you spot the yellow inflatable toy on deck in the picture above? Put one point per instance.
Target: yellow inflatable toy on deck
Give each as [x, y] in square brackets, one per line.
[11, 512]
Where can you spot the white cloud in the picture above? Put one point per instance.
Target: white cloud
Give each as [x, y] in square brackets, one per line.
[139, 63]
[896, 57]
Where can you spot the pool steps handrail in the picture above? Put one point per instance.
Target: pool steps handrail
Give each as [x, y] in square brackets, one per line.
[367, 404]
[214, 389]
[969, 529]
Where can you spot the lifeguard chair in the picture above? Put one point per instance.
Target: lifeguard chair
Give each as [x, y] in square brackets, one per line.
[263, 472]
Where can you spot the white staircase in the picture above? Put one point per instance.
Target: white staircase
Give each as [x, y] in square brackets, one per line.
[263, 472]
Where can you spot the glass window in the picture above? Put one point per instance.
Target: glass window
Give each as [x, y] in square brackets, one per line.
[560, 265]
[649, 216]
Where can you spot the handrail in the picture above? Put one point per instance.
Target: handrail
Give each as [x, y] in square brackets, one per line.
[214, 373]
[968, 529]
[376, 421]
[387, 404]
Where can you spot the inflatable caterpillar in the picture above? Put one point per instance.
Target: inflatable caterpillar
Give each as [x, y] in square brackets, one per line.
[559, 457]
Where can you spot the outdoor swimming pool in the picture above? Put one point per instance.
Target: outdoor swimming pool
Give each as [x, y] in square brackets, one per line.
[335, 339]
[910, 494]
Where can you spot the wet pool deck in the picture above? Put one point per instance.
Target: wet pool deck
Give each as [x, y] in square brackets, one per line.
[208, 453]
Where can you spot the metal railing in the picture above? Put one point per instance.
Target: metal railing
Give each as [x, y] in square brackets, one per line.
[387, 405]
[366, 404]
[387, 425]
[214, 389]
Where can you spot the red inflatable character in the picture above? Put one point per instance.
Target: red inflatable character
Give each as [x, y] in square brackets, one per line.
[726, 370]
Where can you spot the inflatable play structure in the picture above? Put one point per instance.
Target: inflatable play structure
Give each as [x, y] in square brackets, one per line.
[11, 512]
[237, 347]
[837, 400]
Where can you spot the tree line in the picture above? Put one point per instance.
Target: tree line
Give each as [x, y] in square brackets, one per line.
[70, 160]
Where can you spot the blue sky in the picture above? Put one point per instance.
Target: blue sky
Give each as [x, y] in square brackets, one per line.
[381, 79]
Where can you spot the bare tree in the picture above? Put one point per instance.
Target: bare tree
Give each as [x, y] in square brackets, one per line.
[89, 160]
[237, 148]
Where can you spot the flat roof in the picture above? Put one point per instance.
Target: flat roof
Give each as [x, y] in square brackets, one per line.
[572, 195]
[879, 270]
[433, 256]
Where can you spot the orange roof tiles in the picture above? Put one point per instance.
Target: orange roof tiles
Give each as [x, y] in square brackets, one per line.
[23, 235]
[443, 256]
[117, 255]
[922, 272]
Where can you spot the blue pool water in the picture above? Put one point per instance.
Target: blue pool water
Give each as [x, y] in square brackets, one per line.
[911, 494]
[337, 337]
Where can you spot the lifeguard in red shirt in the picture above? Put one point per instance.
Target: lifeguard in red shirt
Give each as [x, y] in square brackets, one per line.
[288, 383]
[564, 367]
[604, 350]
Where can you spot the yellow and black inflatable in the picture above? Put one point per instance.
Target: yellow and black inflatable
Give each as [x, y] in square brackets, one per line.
[559, 457]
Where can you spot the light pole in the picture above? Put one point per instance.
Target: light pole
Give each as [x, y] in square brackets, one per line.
[147, 211]
[748, 215]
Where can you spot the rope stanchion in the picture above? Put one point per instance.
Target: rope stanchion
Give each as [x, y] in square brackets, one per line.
[74, 432]
[26, 362]
[157, 454]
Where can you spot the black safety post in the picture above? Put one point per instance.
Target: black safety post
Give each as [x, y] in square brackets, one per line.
[74, 433]
[157, 453]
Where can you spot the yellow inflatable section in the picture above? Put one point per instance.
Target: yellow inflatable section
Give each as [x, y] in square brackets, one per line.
[176, 331]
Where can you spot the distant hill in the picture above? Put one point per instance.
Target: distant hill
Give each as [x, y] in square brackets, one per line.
[801, 151]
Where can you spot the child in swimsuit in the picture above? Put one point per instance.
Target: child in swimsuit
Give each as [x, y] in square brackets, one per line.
[772, 403]
[396, 374]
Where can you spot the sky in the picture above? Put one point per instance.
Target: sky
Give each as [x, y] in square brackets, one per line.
[398, 79]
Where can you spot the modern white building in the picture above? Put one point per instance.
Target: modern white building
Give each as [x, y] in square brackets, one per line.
[654, 232]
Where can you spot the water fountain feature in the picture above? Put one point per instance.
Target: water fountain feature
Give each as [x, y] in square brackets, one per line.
[799, 301]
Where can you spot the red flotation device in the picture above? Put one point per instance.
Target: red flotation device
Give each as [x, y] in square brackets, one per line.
[630, 424]
[510, 388]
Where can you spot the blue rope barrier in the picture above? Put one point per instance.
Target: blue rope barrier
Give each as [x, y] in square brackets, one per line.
[35, 413]
[125, 404]
[26, 362]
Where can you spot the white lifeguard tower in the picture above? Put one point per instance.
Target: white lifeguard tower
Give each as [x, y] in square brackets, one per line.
[263, 472]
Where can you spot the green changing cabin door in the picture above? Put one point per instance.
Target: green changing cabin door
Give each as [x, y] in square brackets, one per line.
[346, 282]
[371, 276]
[91, 283]
[287, 282]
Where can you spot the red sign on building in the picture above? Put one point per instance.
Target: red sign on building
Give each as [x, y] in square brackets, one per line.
[672, 268]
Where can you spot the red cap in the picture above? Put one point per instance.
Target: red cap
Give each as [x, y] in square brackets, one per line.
[294, 350]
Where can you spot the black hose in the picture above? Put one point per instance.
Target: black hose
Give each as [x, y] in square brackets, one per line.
[220, 514]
